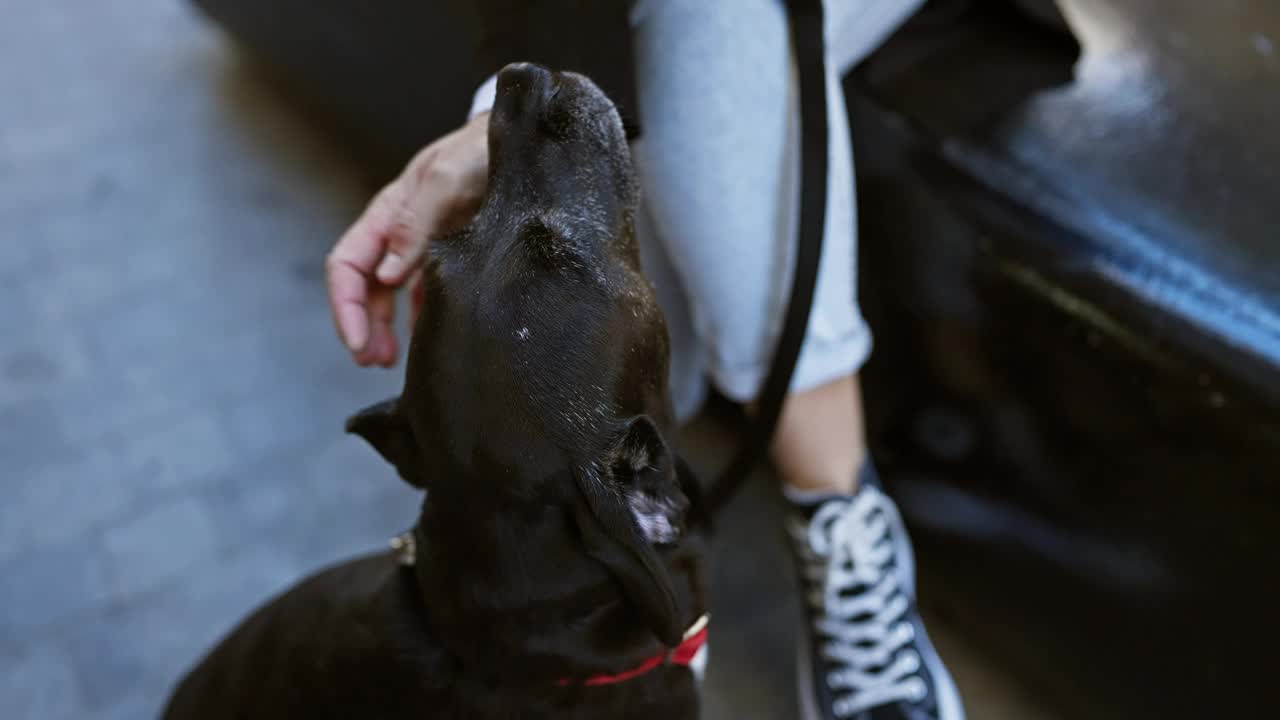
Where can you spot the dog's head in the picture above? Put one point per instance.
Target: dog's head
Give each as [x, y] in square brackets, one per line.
[538, 366]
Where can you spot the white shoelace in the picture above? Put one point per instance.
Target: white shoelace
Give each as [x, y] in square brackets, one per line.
[850, 545]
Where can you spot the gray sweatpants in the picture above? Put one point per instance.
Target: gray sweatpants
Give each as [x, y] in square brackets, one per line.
[719, 163]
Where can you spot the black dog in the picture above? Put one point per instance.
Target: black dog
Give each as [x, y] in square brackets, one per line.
[554, 571]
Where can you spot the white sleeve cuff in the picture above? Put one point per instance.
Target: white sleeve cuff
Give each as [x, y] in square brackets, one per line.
[484, 97]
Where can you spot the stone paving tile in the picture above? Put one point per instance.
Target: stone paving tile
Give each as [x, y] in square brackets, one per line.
[57, 502]
[69, 490]
[136, 651]
[43, 585]
[33, 363]
[39, 683]
[159, 544]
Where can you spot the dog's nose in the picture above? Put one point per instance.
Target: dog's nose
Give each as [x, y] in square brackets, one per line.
[528, 81]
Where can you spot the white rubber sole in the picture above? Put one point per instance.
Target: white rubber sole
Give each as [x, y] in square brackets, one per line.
[948, 697]
[949, 705]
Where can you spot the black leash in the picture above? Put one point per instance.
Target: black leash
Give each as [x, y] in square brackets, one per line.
[807, 39]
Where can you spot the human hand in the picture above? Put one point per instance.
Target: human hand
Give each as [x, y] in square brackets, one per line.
[439, 190]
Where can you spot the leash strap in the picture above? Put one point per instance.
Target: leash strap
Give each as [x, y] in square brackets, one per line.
[807, 39]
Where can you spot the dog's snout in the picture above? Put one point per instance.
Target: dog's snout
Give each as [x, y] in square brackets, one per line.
[529, 81]
[523, 72]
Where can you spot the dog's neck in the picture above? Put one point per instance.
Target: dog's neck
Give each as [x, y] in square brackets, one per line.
[508, 588]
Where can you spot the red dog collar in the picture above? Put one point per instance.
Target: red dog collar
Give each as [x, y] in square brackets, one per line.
[686, 653]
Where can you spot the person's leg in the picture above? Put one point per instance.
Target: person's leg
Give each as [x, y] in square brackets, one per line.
[718, 168]
[821, 440]
[718, 163]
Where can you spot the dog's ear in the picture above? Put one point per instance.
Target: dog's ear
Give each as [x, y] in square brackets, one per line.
[627, 509]
[383, 427]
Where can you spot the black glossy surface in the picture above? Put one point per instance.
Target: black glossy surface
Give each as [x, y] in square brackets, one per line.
[1164, 154]
[1075, 390]
[397, 75]
[362, 66]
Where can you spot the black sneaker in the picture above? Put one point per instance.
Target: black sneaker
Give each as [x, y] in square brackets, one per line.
[864, 653]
